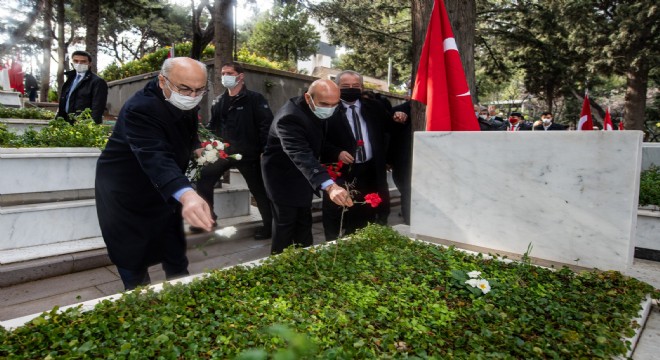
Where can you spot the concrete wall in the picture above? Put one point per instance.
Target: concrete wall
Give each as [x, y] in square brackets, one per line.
[277, 86]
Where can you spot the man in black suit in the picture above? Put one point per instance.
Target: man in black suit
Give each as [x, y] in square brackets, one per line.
[547, 124]
[357, 139]
[290, 166]
[82, 90]
[142, 193]
[516, 122]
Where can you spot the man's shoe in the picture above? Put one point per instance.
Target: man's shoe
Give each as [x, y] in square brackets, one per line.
[262, 234]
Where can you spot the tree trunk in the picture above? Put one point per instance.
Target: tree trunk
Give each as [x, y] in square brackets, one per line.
[63, 45]
[635, 104]
[92, 15]
[549, 97]
[421, 13]
[463, 16]
[224, 35]
[202, 37]
[45, 47]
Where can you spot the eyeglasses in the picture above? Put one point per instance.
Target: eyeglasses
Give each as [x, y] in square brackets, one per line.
[186, 91]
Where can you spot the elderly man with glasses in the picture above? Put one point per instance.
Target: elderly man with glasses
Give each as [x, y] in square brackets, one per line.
[142, 193]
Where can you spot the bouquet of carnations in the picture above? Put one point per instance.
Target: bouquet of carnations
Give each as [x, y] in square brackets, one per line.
[212, 151]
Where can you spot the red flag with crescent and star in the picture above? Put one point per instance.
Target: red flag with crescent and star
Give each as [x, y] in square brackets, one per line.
[607, 121]
[440, 82]
[585, 122]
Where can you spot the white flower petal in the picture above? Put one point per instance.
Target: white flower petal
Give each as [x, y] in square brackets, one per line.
[226, 231]
[484, 285]
[237, 156]
[474, 274]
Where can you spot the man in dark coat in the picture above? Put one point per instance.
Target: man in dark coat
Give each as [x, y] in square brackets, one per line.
[242, 118]
[399, 156]
[516, 122]
[82, 90]
[142, 194]
[361, 146]
[546, 123]
[31, 87]
[291, 169]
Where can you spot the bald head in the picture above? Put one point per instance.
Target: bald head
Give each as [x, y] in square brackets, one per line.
[323, 93]
[183, 74]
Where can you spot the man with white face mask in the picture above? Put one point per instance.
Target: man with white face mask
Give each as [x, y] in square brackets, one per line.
[240, 117]
[82, 90]
[547, 124]
[142, 193]
[291, 168]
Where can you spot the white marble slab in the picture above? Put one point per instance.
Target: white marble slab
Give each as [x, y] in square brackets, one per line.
[10, 98]
[572, 195]
[648, 230]
[43, 224]
[28, 170]
[18, 126]
[650, 155]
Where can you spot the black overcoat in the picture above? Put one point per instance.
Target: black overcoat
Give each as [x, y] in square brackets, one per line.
[290, 163]
[139, 170]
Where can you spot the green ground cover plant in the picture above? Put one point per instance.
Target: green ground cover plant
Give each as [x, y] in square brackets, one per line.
[649, 186]
[25, 113]
[378, 295]
[59, 133]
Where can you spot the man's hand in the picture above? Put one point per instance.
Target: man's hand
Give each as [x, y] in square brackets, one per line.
[199, 152]
[339, 195]
[346, 157]
[400, 117]
[196, 211]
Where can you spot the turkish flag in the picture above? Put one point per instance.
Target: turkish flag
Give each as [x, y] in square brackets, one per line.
[585, 116]
[621, 125]
[440, 81]
[607, 121]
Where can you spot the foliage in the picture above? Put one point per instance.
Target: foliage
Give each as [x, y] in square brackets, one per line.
[25, 113]
[649, 186]
[154, 61]
[374, 31]
[132, 29]
[150, 62]
[285, 35]
[376, 295]
[59, 133]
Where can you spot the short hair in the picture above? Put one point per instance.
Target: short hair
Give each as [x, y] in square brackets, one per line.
[350, 72]
[169, 63]
[546, 113]
[236, 66]
[518, 114]
[82, 53]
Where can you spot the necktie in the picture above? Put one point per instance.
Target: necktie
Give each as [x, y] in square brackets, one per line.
[360, 155]
[73, 86]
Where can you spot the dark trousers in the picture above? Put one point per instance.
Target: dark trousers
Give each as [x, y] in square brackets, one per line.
[363, 177]
[291, 226]
[251, 171]
[32, 94]
[135, 278]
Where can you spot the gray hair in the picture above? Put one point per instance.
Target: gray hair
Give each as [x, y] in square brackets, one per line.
[169, 64]
[349, 72]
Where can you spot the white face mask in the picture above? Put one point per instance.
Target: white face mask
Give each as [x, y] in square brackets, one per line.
[181, 101]
[81, 68]
[546, 121]
[229, 81]
[322, 112]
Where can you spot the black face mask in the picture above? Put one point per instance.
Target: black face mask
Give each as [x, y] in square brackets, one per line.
[350, 94]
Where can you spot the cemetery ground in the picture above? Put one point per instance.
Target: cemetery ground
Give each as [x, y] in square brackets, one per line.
[42, 295]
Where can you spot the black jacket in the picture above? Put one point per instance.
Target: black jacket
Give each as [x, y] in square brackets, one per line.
[91, 92]
[290, 166]
[245, 125]
[139, 170]
[553, 126]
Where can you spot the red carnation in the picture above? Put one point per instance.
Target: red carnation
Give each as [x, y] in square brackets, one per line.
[360, 143]
[205, 143]
[373, 199]
[215, 144]
[222, 155]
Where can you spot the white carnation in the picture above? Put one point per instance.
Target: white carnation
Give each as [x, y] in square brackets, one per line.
[226, 231]
[237, 156]
[209, 147]
[221, 145]
[211, 156]
[472, 282]
[201, 160]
